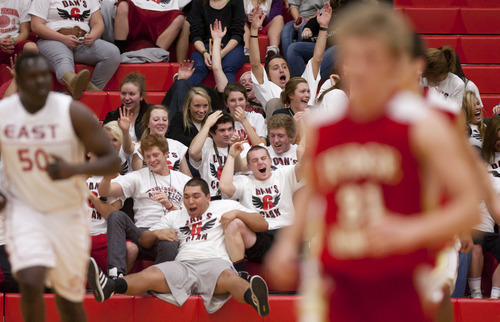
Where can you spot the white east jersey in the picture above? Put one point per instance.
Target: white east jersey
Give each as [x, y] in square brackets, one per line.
[27, 143]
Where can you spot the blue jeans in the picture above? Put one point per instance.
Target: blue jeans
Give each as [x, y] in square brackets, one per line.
[231, 64]
[288, 34]
[463, 271]
[299, 54]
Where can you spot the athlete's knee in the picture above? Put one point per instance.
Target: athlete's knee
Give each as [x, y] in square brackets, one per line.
[122, 9]
[477, 251]
[31, 281]
[235, 227]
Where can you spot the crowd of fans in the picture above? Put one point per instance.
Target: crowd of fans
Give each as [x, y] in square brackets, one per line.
[245, 137]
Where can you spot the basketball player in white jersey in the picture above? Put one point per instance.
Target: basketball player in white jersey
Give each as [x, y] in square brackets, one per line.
[43, 141]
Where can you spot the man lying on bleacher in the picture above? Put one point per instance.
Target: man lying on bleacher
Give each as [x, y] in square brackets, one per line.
[267, 192]
[156, 190]
[202, 265]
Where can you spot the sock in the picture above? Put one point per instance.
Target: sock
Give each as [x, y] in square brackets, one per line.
[121, 286]
[474, 283]
[121, 44]
[240, 265]
[495, 292]
[248, 296]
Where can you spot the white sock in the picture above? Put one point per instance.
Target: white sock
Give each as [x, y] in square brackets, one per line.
[474, 283]
[495, 292]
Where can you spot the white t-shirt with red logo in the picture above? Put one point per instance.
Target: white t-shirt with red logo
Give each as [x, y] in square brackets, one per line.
[285, 159]
[98, 225]
[65, 13]
[157, 5]
[271, 198]
[12, 14]
[211, 164]
[200, 237]
[258, 123]
[141, 184]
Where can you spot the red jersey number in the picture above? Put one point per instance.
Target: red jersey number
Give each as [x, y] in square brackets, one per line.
[30, 159]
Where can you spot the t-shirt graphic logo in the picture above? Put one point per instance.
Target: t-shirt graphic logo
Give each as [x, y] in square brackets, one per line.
[215, 173]
[75, 14]
[197, 228]
[267, 202]
[176, 166]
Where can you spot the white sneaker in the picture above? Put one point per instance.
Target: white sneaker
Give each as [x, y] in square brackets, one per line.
[476, 294]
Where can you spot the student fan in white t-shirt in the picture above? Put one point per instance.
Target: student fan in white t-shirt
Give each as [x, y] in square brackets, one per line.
[156, 191]
[210, 147]
[202, 265]
[269, 193]
[270, 80]
[282, 132]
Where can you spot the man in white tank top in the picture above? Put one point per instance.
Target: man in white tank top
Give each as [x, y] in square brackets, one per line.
[43, 138]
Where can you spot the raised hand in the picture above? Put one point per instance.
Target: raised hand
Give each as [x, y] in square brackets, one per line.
[212, 118]
[239, 114]
[258, 19]
[217, 31]
[324, 18]
[12, 68]
[186, 69]
[124, 120]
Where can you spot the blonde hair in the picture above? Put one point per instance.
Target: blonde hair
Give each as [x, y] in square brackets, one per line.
[147, 116]
[468, 110]
[115, 130]
[440, 61]
[186, 116]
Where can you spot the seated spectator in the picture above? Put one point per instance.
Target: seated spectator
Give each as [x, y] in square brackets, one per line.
[249, 126]
[474, 118]
[132, 90]
[267, 192]
[8, 283]
[253, 104]
[484, 236]
[232, 16]
[295, 97]
[441, 64]
[120, 139]
[15, 33]
[272, 25]
[282, 131]
[155, 190]
[269, 81]
[158, 21]
[186, 124]
[469, 85]
[202, 265]
[65, 40]
[155, 121]
[301, 11]
[331, 94]
[99, 210]
[210, 147]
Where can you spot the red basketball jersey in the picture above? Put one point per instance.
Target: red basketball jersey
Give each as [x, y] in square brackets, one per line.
[365, 170]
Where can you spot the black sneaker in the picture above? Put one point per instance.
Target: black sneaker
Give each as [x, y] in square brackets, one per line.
[102, 286]
[244, 275]
[260, 295]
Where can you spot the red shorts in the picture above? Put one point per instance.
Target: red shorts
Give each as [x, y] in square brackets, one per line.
[390, 298]
[5, 58]
[148, 23]
[99, 251]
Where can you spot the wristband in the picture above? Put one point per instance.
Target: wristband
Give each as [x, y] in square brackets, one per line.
[14, 40]
[322, 28]
[171, 206]
[252, 36]
[203, 52]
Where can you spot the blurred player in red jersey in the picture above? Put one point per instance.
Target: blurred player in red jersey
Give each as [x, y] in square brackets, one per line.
[367, 162]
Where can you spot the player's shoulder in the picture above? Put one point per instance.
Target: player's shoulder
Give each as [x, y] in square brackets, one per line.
[223, 205]
[407, 108]
[438, 101]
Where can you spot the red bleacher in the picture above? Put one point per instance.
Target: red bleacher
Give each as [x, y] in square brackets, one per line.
[125, 308]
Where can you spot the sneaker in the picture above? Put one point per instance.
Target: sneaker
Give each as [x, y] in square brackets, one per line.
[260, 295]
[244, 275]
[272, 51]
[102, 286]
[475, 294]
